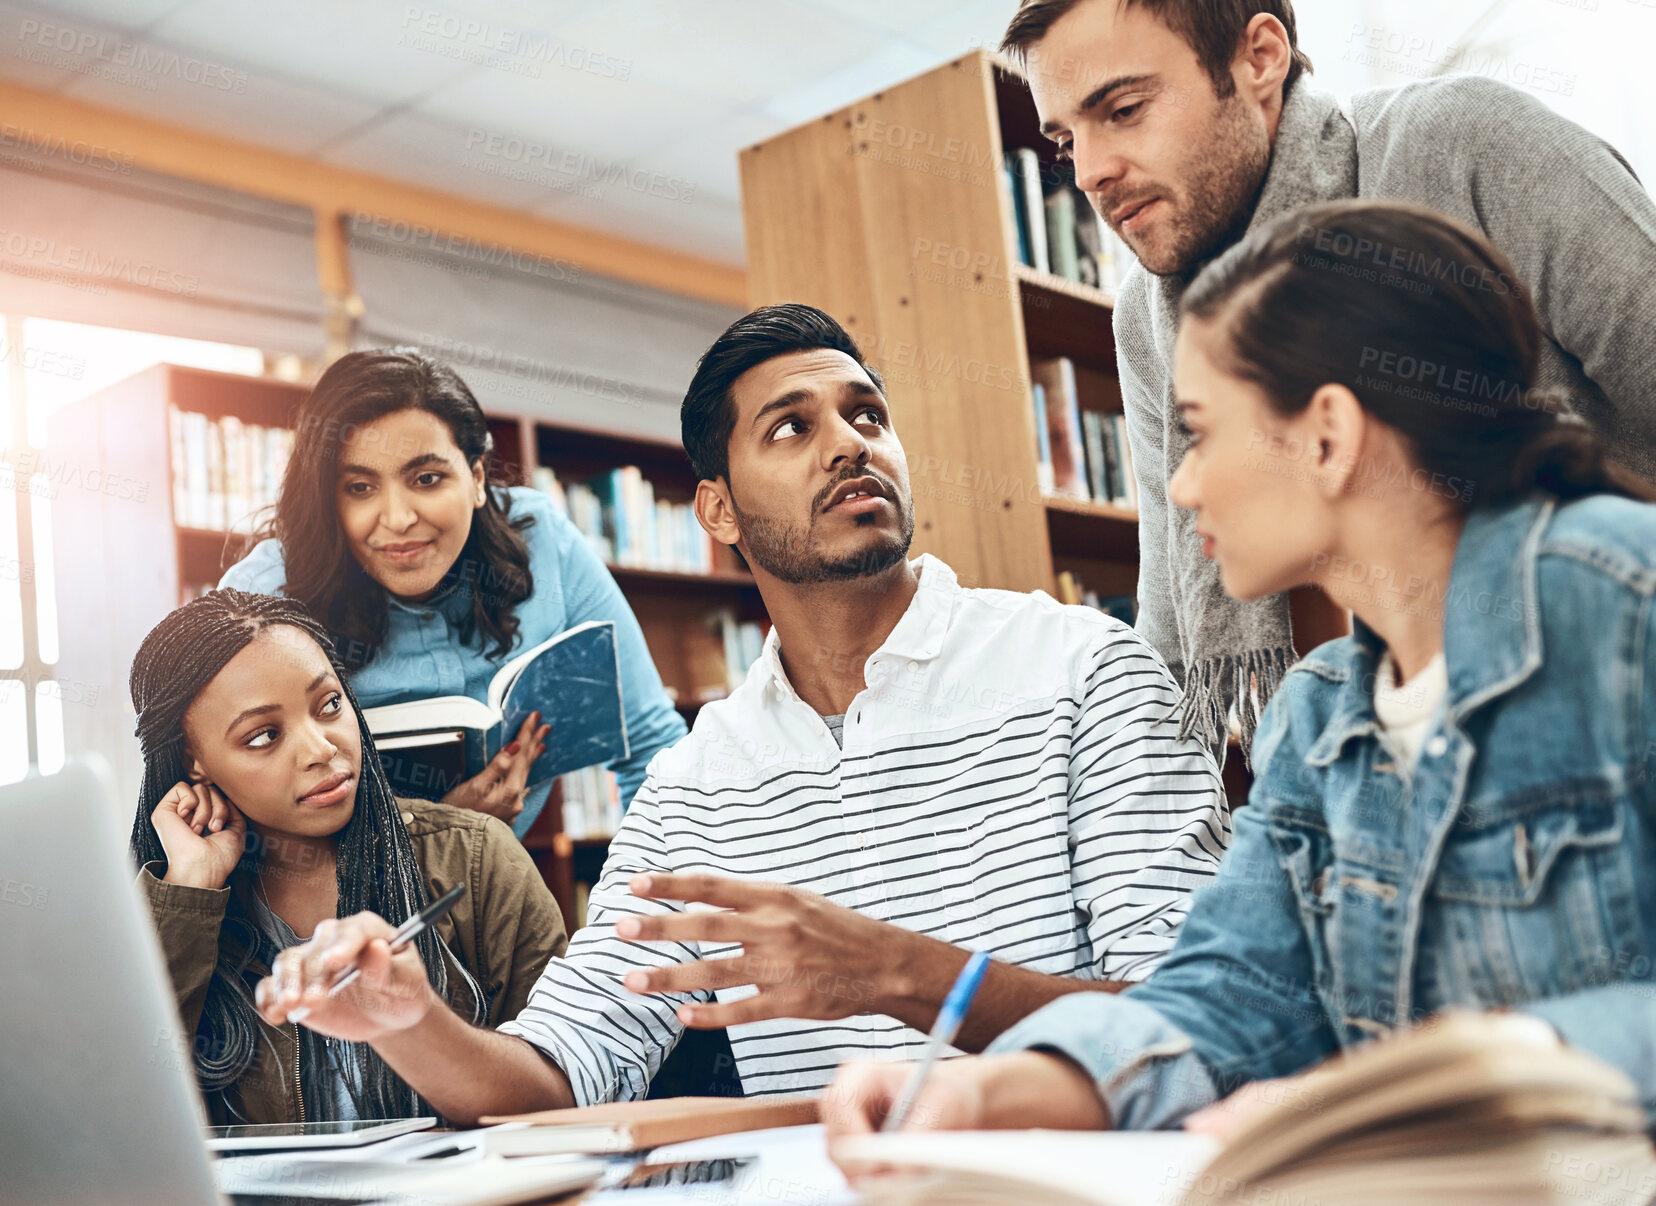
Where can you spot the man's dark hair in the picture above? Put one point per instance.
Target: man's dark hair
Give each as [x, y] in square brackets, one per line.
[708, 415]
[1212, 28]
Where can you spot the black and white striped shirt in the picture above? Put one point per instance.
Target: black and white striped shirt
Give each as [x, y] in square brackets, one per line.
[1010, 782]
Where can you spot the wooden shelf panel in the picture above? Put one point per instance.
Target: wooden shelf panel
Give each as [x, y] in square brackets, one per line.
[1101, 531]
[1066, 318]
[645, 579]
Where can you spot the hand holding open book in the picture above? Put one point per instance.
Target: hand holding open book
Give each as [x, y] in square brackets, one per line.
[1472, 1108]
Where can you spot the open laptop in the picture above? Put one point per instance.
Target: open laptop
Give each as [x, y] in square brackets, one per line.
[98, 1102]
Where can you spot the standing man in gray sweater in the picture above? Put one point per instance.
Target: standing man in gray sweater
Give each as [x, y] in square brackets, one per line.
[1191, 122]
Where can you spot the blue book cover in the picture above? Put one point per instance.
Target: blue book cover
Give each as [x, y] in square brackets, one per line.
[429, 746]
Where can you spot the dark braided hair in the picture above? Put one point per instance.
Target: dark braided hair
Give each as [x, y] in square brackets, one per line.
[376, 867]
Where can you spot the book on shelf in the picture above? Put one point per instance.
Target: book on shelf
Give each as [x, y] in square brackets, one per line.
[1043, 439]
[591, 802]
[1063, 418]
[1057, 230]
[573, 679]
[1031, 207]
[224, 471]
[627, 525]
[1073, 591]
[1473, 1108]
[742, 641]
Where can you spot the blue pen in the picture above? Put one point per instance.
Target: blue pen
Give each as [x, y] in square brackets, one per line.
[943, 1033]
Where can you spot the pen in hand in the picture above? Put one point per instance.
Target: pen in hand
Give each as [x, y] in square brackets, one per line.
[943, 1032]
[407, 932]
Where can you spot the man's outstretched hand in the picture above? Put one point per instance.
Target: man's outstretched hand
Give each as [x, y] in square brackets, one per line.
[808, 957]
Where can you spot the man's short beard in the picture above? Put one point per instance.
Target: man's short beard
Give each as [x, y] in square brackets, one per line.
[790, 553]
[1222, 190]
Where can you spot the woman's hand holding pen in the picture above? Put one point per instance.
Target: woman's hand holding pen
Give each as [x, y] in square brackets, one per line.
[391, 992]
[202, 833]
[499, 788]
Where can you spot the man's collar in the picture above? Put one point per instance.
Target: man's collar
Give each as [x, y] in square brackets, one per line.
[918, 635]
[1313, 158]
[1491, 626]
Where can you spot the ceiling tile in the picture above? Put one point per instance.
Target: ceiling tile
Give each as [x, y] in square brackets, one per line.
[188, 87]
[438, 154]
[900, 17]
[704, 225]
[891, 63]
[742, 50]
[126, 15]
[976, 25]
[602, 116]
[364, 49]
[706, 156]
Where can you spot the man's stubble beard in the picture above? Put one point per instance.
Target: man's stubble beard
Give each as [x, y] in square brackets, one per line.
[790, 554]
[1223, 189]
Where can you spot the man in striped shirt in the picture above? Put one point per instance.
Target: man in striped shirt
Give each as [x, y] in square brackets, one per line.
[911, 772]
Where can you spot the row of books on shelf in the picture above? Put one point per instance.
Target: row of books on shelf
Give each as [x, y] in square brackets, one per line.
[224, 470]
[743, 641]
[626, 524]
[1072, 590]
[1081, 452]
[591, 802]
[1058, 230]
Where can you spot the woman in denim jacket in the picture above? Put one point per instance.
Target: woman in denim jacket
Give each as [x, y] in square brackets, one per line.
[1453, 807]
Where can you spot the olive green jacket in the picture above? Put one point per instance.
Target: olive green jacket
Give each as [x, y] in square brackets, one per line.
[504, 929]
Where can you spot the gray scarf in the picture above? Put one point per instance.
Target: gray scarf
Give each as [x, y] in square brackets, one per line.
[1224, 651]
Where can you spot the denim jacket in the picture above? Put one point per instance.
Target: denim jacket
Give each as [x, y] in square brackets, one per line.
[423, 655]
[1515, 866]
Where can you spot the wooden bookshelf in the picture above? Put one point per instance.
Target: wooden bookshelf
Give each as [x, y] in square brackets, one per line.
[890, 213]
[130, 541]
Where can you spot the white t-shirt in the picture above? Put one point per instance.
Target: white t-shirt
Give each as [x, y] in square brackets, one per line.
[1407, 711]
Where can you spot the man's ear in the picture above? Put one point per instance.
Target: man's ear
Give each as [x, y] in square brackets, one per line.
[1262, 60]
[715, 512]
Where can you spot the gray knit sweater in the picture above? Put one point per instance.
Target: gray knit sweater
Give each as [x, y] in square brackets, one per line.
[1561, 204]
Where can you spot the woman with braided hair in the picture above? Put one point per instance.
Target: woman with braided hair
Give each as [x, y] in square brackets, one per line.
[265, 821]
[1454, 807]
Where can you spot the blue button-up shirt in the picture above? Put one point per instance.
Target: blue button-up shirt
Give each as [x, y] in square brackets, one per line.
[423, 656]
[1515, 865]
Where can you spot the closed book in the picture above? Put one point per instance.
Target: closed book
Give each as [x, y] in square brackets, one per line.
[1013, 204]
[1034, 205]
[573, 679]
[1063, 415]
[1093, 426]
[631, 1126]
[1060, 223]
[180, 468]
[195, 425]
[1129, 483]
[1043, 439]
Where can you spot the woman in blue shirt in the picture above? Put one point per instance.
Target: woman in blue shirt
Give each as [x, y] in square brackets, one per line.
[1455, 806]
[429, 576]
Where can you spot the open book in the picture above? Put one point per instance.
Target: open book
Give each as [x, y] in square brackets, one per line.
[1472, 1109]
[429, 746]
